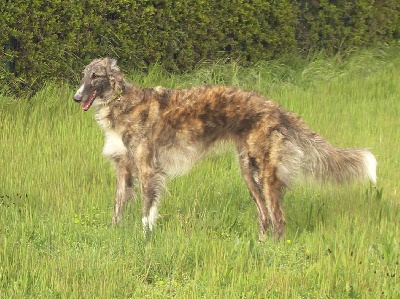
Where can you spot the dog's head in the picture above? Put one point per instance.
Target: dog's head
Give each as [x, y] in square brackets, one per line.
[102, 82]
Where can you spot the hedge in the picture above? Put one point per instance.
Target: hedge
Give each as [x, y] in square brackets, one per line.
[344, 25]
[53, 39]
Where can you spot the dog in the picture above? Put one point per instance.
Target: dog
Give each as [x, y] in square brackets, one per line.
[155, 133]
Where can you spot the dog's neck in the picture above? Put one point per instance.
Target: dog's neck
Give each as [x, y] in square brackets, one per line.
[121, 102]
[102, 116]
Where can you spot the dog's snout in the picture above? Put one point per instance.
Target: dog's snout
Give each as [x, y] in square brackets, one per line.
[78, 95]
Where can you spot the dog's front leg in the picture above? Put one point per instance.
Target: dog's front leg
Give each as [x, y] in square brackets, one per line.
[152, 185]
[126, 178]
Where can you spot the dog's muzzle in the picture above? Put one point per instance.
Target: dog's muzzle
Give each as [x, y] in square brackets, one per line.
[78, 95]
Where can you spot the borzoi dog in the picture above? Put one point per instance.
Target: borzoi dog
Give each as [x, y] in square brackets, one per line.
[153, 133]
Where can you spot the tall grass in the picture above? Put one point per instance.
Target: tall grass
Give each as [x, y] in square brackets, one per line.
[56, 198]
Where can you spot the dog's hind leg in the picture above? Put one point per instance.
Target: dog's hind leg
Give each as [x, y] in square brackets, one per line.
[273, 190]
[250, 173]
[152, 184]
[125, 181]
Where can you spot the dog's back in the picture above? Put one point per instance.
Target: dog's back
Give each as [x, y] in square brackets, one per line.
[193, 119]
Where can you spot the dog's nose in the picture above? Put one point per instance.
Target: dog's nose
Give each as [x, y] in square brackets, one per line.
[77, 99]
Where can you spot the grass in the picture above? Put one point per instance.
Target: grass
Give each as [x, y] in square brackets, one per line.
[56, 198]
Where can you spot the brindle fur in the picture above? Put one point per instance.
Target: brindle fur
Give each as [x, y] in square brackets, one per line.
[152, 133]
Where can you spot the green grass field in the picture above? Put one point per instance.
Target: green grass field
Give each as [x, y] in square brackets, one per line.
[57, 192]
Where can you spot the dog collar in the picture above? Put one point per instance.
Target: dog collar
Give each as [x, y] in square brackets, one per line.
[117, 97]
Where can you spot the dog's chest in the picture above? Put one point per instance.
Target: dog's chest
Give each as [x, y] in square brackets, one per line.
[113, 146]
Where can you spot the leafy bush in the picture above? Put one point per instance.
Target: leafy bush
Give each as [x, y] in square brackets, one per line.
[343, 25]
[42, 39]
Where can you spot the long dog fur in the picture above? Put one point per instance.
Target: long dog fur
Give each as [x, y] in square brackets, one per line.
[152, 133]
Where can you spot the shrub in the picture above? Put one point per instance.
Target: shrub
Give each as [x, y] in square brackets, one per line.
[42, 39]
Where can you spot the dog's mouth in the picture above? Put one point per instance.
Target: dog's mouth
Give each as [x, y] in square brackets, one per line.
[88, 103]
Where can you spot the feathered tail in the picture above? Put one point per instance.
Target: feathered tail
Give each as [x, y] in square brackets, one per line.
[307, 156]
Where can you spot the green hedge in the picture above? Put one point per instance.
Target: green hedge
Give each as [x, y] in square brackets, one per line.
[344, 25]
[54, 39]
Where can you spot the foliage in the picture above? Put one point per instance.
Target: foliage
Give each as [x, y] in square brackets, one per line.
[345, 25]
[42, 39]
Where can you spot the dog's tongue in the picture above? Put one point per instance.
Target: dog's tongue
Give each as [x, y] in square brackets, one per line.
[86, 104]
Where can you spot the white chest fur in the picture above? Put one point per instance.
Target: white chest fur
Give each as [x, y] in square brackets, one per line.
[114, 145]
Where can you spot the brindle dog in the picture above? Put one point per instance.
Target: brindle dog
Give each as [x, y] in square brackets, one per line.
[152, 133]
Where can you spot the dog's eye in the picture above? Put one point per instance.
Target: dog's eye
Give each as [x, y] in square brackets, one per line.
[94, 76]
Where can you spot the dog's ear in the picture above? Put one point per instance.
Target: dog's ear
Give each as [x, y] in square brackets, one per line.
[115, 76]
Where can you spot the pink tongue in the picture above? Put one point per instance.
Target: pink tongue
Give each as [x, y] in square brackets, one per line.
[86, 104]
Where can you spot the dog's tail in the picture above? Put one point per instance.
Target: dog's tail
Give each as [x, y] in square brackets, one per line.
[307, 156]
